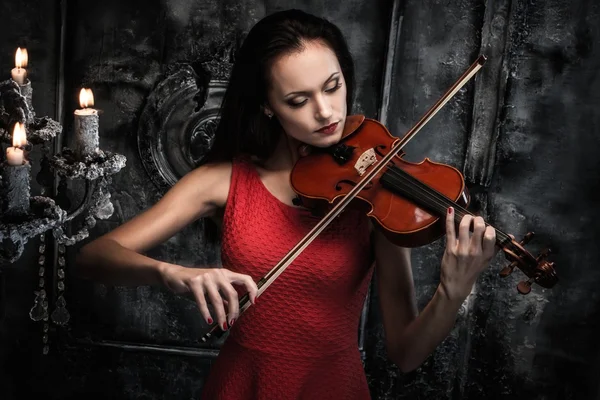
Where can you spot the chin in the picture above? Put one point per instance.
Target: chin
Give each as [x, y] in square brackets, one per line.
[334, 139]
[327, 141]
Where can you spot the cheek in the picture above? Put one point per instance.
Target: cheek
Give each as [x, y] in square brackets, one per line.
[345, 93]
[340, 99]
[296, 122]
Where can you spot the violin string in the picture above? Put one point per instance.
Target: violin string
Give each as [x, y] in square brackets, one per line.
[441, 201]
[397, 177]
[437, 198]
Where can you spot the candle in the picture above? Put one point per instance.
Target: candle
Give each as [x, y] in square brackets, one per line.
[14, 154]
[15, 177]
[19, 73]
[86, 126]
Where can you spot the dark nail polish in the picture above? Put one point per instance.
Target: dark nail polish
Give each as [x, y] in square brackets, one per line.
[449, 210]
[210, 321]
[232, 321]
[224, 326]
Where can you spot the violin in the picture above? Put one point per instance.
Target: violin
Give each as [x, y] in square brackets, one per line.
[406, 201]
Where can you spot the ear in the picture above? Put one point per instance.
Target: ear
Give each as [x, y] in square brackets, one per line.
[268, 112]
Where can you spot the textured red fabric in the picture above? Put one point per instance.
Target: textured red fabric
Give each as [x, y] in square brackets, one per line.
[300, 341]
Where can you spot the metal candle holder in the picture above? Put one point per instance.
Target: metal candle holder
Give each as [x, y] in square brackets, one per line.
[44, 214]
[20, 222]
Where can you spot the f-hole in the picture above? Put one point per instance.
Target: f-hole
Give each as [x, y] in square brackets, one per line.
[338, 187]
[383, 146]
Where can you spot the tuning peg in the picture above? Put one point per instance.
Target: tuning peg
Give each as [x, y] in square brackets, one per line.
[527, 238]
[506, 271]
[524, 287]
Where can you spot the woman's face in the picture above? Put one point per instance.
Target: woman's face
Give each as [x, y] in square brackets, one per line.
[308, 94]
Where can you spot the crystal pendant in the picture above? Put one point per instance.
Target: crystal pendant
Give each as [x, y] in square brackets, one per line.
[40, 306]
[60, 316]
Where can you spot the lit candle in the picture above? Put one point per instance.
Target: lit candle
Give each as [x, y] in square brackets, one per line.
[19, 73]
[14, 154]
[16, 174]
[86, 126]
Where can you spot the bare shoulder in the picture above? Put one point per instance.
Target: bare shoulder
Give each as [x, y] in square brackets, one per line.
[209, 183]
[201, 193]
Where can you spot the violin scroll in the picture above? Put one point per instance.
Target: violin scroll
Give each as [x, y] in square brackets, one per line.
[537, 269]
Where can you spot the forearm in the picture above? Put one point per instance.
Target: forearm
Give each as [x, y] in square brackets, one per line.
[421, 337]
[108, 262]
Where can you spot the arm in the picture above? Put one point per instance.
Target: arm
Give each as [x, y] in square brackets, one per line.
[412, 337]
[115, 257]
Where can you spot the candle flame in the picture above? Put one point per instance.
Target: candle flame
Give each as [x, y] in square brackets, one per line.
[21, 58]
[19, 137]
[86, 98]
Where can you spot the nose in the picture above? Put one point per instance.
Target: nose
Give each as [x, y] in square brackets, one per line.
[323, 109]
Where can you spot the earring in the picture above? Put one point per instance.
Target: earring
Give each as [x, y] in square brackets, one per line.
[269, 115]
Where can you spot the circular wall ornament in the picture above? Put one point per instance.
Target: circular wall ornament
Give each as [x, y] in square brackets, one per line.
[175, 132]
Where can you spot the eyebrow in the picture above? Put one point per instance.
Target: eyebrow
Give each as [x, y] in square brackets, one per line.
[331, 77]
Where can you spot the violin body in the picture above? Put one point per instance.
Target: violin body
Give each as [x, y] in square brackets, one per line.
[403, 221]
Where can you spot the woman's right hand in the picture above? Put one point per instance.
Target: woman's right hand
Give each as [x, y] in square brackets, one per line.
[205, 283]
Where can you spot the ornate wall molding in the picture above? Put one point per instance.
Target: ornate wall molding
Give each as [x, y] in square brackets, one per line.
[175, 131]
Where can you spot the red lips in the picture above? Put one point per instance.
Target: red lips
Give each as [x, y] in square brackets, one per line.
[329, 128]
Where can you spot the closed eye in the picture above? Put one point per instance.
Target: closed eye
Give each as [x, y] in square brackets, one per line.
[333, 89]
[336, 87]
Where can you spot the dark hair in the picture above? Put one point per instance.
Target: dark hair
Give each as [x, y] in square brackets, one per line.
[243, 127]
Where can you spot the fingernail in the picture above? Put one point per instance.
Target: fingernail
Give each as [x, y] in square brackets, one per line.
[224, 326]
[232, 321]
[210, 321]
[449, 210]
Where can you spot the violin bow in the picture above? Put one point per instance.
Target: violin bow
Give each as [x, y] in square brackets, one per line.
[281, 266]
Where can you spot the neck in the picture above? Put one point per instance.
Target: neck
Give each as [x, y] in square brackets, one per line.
[285, 155]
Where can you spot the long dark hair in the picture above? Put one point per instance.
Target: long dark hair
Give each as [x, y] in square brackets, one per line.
[243, 127]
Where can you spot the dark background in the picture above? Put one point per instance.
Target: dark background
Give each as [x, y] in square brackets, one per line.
[524, 133]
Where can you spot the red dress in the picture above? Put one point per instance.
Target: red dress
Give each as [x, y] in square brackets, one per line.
[300, 341]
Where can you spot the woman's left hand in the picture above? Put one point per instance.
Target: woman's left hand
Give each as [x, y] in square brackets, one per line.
[466, 256]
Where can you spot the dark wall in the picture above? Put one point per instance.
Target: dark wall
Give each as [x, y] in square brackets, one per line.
[523, 132]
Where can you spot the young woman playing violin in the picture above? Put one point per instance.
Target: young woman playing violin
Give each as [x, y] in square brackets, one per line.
[289, 91]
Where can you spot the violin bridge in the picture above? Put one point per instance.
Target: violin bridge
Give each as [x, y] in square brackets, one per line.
[365, 160]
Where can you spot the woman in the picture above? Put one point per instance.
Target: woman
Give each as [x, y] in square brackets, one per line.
[289, 91]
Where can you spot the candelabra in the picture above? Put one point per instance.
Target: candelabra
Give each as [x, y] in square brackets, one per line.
[25, 217]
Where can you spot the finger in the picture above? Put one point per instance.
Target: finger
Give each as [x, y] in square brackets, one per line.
[232, 300]
[248, 283]
[212, 292]
[463, 234]
[450, 229]
[198, 293]
[225, 303]
[477, 237]
[489, 242]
